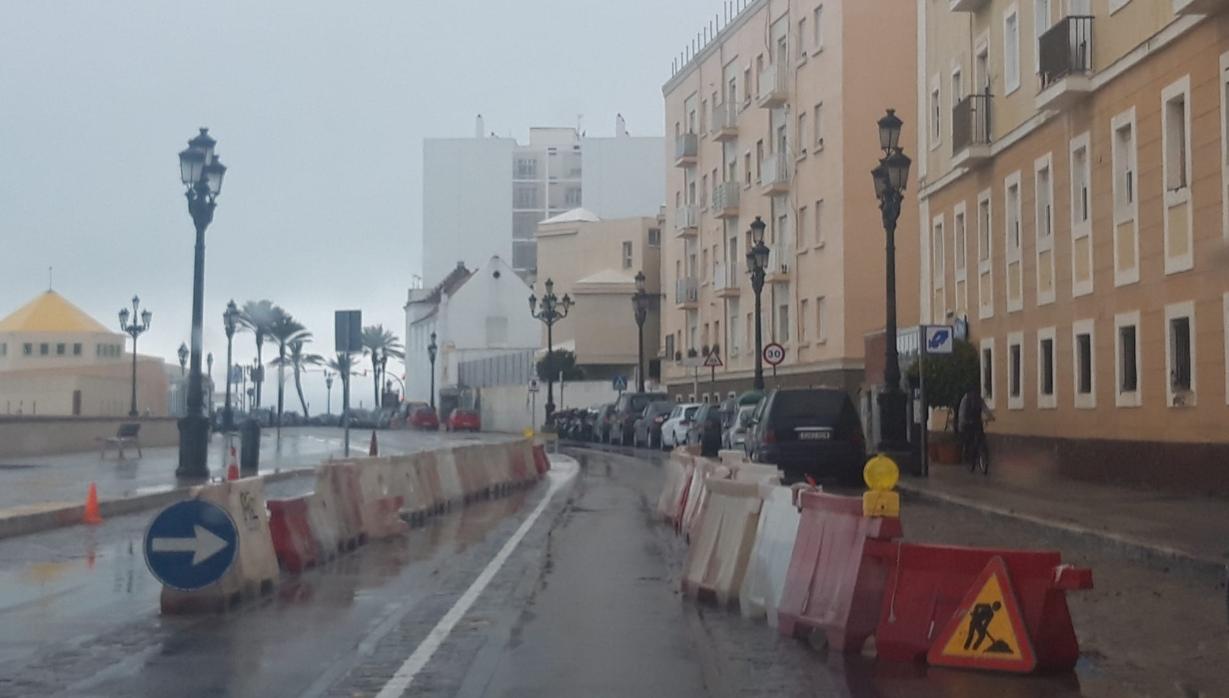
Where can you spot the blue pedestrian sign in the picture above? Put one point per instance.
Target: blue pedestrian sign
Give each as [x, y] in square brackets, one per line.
[190, 544]
[938, 339]
[619, 383]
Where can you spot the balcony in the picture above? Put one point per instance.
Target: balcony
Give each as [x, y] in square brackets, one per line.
[971, 130]
[687, 293]
[685, 148]
[780, 259]
[1199, 7]
[777, 172]
[725, 200]
[774, 86]
[686, 221]
[724, 123]
[726, 283]
[968, 5]
[1065, 55]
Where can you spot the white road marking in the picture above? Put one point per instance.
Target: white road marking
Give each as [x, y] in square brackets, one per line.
[561, 472]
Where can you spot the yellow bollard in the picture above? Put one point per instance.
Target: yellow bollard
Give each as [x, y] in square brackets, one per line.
[527, 432]
[881, 475]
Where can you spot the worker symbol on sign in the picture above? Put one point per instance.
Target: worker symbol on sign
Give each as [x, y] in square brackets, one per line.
[979, 629]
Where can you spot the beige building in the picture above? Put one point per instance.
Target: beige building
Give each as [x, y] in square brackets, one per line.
[57, 360]
[775, 116]
[596, 261]
[1073, 208]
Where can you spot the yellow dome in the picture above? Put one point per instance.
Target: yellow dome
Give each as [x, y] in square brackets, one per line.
[50, 312]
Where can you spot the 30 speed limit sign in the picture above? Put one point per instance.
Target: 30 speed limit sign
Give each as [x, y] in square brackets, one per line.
[774, 354]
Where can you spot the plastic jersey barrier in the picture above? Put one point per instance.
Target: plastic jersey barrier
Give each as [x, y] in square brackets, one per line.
[732, 456]
[325, 519]
[704, 471]
[833, 586]
[764, 582]
[290, 527]
[541, 462]
[678, 474]
[338, 483]
[450, 488]
[722, 540]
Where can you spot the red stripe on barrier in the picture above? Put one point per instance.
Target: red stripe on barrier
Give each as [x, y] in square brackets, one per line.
[293, 540]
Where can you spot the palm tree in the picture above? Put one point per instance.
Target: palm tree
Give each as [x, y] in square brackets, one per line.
[283, 330]
[343, 365]
[257, 316]
[299, 360]
[381, 344]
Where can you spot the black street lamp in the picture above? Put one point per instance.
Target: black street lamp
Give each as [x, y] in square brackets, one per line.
[891, 178]
[550, 309]
[640, 303]
[432, 349]
[328, 393]
[134, 330]
[757, 263]
[183, 358]
[230, 321]
[201, 173]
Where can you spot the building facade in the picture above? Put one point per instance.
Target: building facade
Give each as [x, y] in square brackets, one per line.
[1072, 208]
[775, 117]
[57, 360]
[595, 261]
[485, 195]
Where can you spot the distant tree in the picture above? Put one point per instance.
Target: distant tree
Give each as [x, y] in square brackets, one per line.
[283, 330]
[257, 317]
[948, 376]
[559, 360]
[380, 344]
[299, 359]
[343, 365]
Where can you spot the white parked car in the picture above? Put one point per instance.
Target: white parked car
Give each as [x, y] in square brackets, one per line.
[674, 430]
[736, 435]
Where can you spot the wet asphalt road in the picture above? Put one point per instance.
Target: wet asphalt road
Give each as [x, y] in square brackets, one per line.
[586, 604]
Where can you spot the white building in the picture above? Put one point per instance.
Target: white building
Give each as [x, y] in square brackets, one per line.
[485, 195]
[474, 315]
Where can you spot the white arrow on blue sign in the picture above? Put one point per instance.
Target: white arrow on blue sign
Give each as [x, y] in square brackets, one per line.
[939, 339]
[191, 544]
[619, 383]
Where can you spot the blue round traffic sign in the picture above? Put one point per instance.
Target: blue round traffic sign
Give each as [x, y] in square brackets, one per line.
[190, 544]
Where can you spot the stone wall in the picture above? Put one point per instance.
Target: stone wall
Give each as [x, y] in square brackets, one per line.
[40, 436]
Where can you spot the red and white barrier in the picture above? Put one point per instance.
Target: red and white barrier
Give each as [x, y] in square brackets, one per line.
[290, 526]
[722, 540]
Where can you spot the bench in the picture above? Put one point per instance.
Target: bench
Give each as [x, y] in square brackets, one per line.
[127, 434]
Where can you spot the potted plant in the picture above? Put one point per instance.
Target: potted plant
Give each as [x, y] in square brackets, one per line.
[948, 378]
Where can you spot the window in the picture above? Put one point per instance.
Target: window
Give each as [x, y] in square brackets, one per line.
[821, 325]
[1082, 341]
[704, 191]
[1081, 217]
[1013, 217]
[732, 324]
[1124, 165]
[817, 125]
[818, 28]
[987, 371]
[802, 39]
[783, 322]
[759, 159]
[819, 223]
[1013, 238]
[1011, 51]
[936, 120]
[985, 270]
[802, 134]
[1015, 371]
[76, 349]
[669, 347]
[527, 168]
[960, 255]
[496, 330]
[1180, 362]
[1176, 144]
[803, 307]
[1126, 223]
[938, 274]
[44, 349]
[1043, 195]
[627, 254]
[1176, 155]
[60, 349]
[654, 237]
[747, 86]
[1046, 399]
[1079, 181]
[1041, 22]
[804, 225]
[27, 349]
[1126, 351]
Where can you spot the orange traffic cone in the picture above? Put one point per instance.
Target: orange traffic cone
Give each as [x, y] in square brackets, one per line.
[232, 470]
[374, 450]
[92, 515]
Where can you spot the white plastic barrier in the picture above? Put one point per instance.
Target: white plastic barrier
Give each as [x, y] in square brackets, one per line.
[756, 472]
[451, 491]
[697, 491]
[678, 478]
[722, 540]
[770, 555]
[732, 457]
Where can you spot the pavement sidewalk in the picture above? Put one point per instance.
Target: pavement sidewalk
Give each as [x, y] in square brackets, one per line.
[1190, 531]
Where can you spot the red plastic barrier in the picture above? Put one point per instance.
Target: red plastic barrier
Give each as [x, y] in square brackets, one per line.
[520, 468]
[833, 585]
[384, 517]
[540, 461]
[926, 583]
[293, 540]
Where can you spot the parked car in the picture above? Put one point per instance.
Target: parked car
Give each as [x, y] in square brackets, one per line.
[462, 419]
[648, 427]
[736, 435]
[813, 432]
[264, 415]
[362, 419]
[623, 417]
[705, 430]
[674, 429]
[601, 422]
[424, 418]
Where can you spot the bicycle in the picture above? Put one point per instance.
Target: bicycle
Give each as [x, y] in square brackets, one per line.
[978, 457]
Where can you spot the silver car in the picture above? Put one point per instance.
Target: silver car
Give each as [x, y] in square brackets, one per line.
[736, 435]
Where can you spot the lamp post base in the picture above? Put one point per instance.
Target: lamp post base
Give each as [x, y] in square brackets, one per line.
[892, 436]
[193, 448]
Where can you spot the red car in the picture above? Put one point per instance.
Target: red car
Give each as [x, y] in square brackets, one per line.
[463, 420]
[424, 418]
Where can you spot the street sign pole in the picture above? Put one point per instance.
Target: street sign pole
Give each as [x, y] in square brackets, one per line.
[925, 437]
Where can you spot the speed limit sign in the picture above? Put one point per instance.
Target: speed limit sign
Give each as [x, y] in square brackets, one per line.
[774, 354]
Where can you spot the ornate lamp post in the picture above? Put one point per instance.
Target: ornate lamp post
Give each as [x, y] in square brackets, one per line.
[550, 309]
[134, 330]
[230, 321]
[201, 173]
[757, 262]
[640, 304]
[432, 349]
[183, 358]
[328, 392]
[891, 178]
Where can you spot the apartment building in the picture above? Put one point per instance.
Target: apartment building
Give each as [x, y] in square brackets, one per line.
[774, 115]
[1072, 208]
[485, 195]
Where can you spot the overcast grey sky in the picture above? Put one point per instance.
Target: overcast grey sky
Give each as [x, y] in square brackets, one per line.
[319, 109]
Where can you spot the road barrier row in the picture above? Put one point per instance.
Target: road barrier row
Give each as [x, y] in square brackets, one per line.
[832, 568]
[354, 501]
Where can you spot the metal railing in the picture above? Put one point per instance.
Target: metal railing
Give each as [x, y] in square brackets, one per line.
[725, 116]
[1065, 49]
[725, 276]
[686, 217]
[686, 290]
[971, 122]
[773, 84]
[685, 146]
[725, 195]
[778, 169]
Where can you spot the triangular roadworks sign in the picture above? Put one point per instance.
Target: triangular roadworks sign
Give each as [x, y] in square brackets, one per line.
[987, 630]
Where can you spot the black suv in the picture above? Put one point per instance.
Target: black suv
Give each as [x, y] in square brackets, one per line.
[705, 430]
[814, 431]
[626, 410]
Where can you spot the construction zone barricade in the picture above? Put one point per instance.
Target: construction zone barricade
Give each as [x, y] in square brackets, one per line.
[448, 478]
[697, 492]
[541, 462]
[755, 472]
[678, 478]
[290, 526]
[722, 540]
[932, 588]
[768, 565]
[324, 518]
[338, 484]
[379, 506]
[835, 583]
[405, 482]
[254, 571]
[732, 457]
[520, 458]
